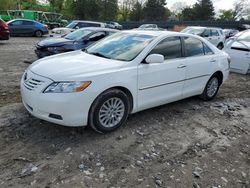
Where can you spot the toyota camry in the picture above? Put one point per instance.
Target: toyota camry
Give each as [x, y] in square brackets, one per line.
[122, 74]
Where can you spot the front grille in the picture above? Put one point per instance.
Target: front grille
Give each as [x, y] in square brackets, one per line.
[34, 82]
[31, 84]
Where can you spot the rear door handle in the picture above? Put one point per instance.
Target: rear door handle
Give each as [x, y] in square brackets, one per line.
[213, 60]
[181, 66]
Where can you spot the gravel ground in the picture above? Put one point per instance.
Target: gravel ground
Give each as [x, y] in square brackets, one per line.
[190, 143]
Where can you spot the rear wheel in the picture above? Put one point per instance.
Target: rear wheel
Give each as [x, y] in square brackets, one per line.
[211, 88]
[38, 33]
[109, 111]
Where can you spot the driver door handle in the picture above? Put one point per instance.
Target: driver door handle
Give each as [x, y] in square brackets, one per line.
[181, 66]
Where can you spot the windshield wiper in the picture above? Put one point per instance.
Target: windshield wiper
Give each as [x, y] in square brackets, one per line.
[99, 55]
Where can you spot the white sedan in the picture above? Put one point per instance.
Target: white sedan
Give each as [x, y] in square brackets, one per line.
[238, 47]
[122, 74]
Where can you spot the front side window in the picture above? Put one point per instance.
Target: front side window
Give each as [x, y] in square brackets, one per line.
[207, 33]
[97, 36]
[72, 25]
[170, 48]
[121, 46]
[215, 33]
[194, 47]
[27, 23]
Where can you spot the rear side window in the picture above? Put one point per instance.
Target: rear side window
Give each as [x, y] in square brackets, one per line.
[18, 22]
[194, 47]
[97, 36]
[93, 25]
[170, 48]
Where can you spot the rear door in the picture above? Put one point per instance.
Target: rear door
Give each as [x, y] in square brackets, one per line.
[199, 61]
[15, 27]
[216, 38]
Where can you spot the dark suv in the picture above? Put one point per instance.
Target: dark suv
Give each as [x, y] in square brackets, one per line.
[4, 31]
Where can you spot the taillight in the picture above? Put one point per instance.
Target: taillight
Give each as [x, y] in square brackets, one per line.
[228, 59]
[4, 26]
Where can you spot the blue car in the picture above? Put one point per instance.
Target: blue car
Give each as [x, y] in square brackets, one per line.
[76, 40]
[27, 28]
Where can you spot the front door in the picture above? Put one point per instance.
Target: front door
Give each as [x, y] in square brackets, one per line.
[240, 57]
[161, 83]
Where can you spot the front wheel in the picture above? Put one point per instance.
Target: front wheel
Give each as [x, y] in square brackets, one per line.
[109, 111]
[220, 46]
[211, 88]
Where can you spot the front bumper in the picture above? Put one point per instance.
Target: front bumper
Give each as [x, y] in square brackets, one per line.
[68, 109]
[42, 53]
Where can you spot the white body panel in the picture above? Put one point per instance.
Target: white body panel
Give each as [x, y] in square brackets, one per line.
[240, 59]
[149, 84]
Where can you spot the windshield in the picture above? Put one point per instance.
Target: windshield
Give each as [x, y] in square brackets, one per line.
[244, 37]
[72, 25]
[121, 46]
[195, 31]
[147, 26]
[78, 34]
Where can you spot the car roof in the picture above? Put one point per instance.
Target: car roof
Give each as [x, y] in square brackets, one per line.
[24, 20]
[85, 21]
[155, 33]
[98, 29]
[202, 27]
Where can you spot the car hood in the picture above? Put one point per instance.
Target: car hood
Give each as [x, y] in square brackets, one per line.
[73, 66]
[54, 42]
[62, 29]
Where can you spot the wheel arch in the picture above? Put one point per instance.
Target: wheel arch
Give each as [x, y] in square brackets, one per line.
[220, 75]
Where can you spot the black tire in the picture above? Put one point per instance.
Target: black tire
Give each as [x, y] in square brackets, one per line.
[220, 46]
[205, 95]
[38, 33]
[94, 113]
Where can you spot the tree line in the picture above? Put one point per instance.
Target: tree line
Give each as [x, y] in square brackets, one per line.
[133, 10]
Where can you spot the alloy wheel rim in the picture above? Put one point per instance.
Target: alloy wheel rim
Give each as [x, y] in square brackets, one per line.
[111, 112]
[212, 87]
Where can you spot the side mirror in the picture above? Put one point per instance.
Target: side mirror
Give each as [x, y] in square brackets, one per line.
[155, 58]
[77, 27]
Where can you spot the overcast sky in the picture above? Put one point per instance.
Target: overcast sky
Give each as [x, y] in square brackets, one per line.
[218, 4]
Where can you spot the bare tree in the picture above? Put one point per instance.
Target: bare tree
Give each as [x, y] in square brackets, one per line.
[177, 8]
[240, 9]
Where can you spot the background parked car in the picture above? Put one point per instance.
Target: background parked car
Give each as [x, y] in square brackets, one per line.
[150, 27]
[230, 32]
[76, 24]
[114, 25]
[238, 48]
[27, 28]
[213, 35]
[4, 30]
[78, 39]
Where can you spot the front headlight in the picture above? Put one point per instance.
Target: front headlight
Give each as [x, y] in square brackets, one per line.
[66, 87]
[56, 49]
